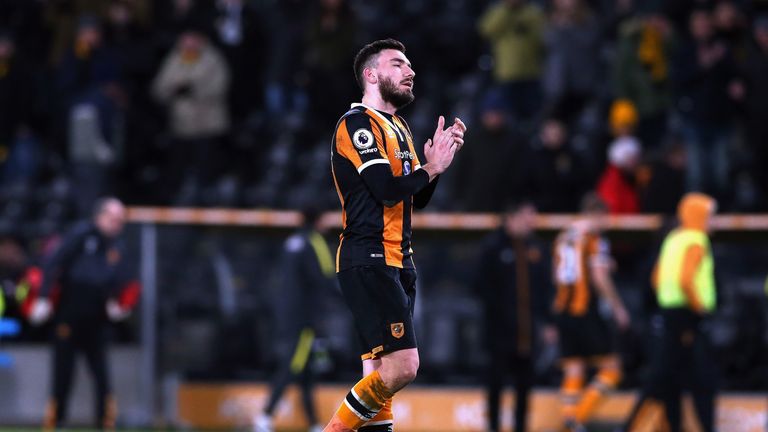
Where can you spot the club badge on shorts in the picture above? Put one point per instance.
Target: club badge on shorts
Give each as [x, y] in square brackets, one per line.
[397, 329]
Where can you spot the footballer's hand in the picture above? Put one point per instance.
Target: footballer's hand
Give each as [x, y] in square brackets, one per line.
[458, 129]
[41, 311]
[439, 150]
[115, 312]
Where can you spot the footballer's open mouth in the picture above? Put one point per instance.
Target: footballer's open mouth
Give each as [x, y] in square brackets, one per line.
[407, 83]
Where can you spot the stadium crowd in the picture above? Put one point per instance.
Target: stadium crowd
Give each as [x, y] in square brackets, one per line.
[228, 103]
[232, 103]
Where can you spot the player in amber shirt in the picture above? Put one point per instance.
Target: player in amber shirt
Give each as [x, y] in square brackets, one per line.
[379, 179]
[582, 266]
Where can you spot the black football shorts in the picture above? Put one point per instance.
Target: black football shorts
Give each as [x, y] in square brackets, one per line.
[381, 299]
[585, 336]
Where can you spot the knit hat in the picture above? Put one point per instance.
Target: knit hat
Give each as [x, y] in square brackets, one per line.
[623, 114]
[623, 151]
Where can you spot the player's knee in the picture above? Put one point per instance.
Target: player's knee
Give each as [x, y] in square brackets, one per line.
[406, 370]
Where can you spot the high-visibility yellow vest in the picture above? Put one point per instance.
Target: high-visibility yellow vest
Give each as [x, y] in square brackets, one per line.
[669, 292]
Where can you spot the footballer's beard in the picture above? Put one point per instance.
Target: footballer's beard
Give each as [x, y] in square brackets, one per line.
[391, 94]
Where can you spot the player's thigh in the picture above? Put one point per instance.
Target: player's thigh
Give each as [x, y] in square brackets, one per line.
[381, 308]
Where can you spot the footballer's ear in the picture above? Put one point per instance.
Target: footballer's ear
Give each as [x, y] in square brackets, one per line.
[369, 75]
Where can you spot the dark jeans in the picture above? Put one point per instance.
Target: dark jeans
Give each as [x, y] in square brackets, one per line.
[90, 339]
[521, 368]
[683, 357]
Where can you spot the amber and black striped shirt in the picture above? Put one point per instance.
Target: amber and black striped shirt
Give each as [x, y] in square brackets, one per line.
[379, 180]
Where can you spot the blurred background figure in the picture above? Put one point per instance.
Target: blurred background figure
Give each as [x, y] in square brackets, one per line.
[307, 271]
[93, 100]
[572, 68]
[515, 30]
[551, 171]
[702, 72]
[93, 284]
[755, 94]
[642, 68]
[684, 281]
[582, 272]
[513, 282]
[617, 185]
[193, 83]
[490, 161]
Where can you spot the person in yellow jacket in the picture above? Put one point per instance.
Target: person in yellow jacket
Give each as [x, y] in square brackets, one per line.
[684, 281]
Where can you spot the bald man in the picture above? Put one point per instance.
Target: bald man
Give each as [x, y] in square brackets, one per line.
[91, 284]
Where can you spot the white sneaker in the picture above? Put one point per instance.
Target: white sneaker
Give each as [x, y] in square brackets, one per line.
[316, 428]
[263, 423]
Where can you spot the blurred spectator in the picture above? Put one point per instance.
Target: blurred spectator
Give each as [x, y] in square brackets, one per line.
[487, 163]
[88, 79]
[240, 34]
[616, 186]
[551, 171]
[572, 69]
[703, 71]
[15, 87]
[193, 83]
[94, 285]
[730, 27]
[641, 71]
[623, 118]
[19, 152]
[331, 42]
[286, 77]
[174, 17]
[128, 33]
[755, 91]
[663, 181]
[515, 30]
[514, 286]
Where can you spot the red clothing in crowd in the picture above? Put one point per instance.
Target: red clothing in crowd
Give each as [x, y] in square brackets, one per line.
[618, 192]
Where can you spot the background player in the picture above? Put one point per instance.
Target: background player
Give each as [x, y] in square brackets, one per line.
[307, 278]
[582, 266]
[379, 178]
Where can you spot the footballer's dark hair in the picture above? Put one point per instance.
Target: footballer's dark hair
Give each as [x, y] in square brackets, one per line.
[368, 54]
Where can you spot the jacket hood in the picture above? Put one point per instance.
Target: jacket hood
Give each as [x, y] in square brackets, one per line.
[695, 211]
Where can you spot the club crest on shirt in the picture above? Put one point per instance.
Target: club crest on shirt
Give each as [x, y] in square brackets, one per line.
[406, 167]
[362, 139]
[397, 329]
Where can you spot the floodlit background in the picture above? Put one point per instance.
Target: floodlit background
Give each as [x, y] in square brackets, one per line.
[639, 100]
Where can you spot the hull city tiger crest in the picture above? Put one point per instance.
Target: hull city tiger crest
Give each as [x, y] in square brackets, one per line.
[397, 329]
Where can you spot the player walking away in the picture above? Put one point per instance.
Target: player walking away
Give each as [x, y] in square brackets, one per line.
[684, 281]
[306, 279]
[379, 179]
[516, 291]
[95, 285]
[582, 267]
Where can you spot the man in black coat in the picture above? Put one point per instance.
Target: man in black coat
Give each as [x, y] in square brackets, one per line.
[90, 283]
[513, 283]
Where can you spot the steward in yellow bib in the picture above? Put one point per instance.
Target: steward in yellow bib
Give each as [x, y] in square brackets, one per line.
[684, 280]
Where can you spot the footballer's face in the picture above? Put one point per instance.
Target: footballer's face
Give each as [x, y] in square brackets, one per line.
[395, 78]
